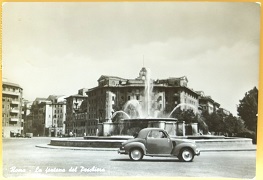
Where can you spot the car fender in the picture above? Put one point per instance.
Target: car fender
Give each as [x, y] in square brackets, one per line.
[131, 145]
[176, 150]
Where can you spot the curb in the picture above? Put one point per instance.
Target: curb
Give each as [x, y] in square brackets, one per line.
[47, 146]
[221, 150]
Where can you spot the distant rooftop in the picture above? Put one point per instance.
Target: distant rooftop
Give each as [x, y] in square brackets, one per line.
[76, 95]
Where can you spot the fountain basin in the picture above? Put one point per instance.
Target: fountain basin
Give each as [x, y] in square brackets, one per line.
[95, 143]
[213, 144]
[131, 126]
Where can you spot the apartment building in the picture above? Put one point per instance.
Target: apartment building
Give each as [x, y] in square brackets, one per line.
[76, 113]
[28, 121]
[48, 116]
[12, 122]
[55, 115]
[38, 116]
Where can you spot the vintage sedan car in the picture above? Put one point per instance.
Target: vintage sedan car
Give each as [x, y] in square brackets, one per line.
[157, 142]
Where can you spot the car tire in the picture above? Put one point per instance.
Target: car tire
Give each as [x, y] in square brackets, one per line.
[186, 155]
[136, 154]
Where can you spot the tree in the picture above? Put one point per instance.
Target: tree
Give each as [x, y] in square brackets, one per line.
[239, 126]
[217, 123]
[233, 125]
[248, 109]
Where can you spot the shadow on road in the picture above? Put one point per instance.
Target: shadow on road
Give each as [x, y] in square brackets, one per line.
[147, 160]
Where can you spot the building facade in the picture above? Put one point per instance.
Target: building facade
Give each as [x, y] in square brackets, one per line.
[48, 116]
[76, 113]
[28, 120]
[12, 102]
[38, 116]
[55, 116]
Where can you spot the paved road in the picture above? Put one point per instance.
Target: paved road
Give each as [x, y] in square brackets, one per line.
[22, 159]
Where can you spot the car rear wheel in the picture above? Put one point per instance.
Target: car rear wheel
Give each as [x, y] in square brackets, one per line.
[186, 155]
[136, 154]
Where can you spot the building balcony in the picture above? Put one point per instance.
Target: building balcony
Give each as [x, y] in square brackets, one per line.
[14, 110]
[15, 102]
[11, 93]
[14, 119]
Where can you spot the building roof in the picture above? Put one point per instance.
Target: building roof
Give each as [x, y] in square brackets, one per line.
[177, 78]
[201, 93]
[52, 97]
[12, 84]
[109, 77]
[40, 99]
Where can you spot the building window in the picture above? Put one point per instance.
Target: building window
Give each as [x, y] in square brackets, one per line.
[138, 97]
[129, 97]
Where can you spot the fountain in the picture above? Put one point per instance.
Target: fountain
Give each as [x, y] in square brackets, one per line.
[141, 114]
[123, 112]
[194, 108]
[147, 93]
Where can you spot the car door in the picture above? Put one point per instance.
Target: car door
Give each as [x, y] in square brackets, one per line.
[157, 142]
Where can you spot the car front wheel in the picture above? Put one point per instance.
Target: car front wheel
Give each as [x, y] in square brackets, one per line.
[136, 154]
[186, 155]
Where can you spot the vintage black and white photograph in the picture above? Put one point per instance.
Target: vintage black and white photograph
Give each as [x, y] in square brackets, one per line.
[130, 89]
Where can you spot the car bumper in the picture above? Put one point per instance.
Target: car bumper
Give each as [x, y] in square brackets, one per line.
[122, 150]
[197, 152]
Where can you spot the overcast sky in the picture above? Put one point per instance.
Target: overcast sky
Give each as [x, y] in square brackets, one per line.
[58, 48]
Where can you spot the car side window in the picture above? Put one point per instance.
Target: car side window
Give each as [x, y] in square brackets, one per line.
[156, 134]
